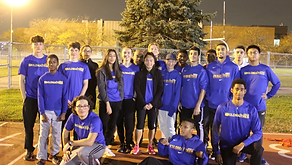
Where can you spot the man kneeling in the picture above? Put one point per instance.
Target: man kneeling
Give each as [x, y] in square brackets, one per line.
[89, 131]
[237, 118]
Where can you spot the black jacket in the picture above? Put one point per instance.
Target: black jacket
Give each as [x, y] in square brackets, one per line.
[140, 87]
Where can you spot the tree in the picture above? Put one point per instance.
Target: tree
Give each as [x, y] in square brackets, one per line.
[171, 23]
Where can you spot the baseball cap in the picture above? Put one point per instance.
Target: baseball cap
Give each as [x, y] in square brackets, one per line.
[170, 56]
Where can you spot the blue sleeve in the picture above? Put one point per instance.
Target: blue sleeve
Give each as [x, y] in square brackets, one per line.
[176, 96]
[23, 68]
[162, 149]
[65, 96]
[275, 81]
[204, 160]
[203, 80]
[255, 127]
[69, 125]
[215, 130]
[236, 73]
[41, 102]
[87, 74]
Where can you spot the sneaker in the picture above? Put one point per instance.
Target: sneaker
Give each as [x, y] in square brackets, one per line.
[128, 149]
[97, 162]
[122, 148]
[135, 150]
[41, 162]
[108, 152]
[151, 150]
[264, 162]
[155, 141]
[242, 157]
[212, 156]
[29, 156]
[54, 159]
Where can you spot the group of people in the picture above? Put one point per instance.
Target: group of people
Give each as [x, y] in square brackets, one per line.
[223, 97]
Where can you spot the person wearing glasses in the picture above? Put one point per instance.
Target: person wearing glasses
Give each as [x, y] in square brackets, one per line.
[88, 126]
[85, 54]
[257, 77]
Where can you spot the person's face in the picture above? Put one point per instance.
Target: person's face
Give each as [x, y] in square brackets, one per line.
[193, 56]
[138, 58]
[149, 62]
[52, 64]
[82, 108]
[186, 128]
[238, 54]
[111, 57]
[238, 91]
[154, 50]
[37, 47]
[211, 57]
[86, 53]
[170, 64]
[253, 55]
[182, 58]
[127, 54]
[74, 52]
[221, 52]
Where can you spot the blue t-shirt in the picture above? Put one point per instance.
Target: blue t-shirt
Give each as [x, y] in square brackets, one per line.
[149, 89]
[257, 79]
[32, 68]
[194, 80]
[160, 64]
[76, 73]
[52, 93]
[171, 91]
[236, 123]
[128, 76]
[220, 80]
[91, 124]
[113, 90]
[180, 69]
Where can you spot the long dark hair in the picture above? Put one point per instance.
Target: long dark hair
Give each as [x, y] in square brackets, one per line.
[116, 66]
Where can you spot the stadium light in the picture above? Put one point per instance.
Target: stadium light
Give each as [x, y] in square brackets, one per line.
[12, 3]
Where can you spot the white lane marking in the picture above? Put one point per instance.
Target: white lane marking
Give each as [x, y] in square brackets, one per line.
[21, 156]
[3, 124]
[281, 151]
[10, 136]
[6, 145]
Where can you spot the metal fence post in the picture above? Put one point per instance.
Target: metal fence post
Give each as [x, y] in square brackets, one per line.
[269, 57]
[65, 54]
[9, 65]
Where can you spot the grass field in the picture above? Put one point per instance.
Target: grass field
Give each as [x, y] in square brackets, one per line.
[278, 117]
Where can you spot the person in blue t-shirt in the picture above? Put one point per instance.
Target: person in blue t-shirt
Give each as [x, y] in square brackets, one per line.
[138, 58]
[77, 74]
[154, 48]
[126, 118]
[148, 84]
[185, 148]
[111, 93]
[170, 97]
[52, 102]
[221, 73]
[88, 126]
[30, 70]
[182, 58]
[194, 86]
[236, 118]
[257, 77]
[84, 57]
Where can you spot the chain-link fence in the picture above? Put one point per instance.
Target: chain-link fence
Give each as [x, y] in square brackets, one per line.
[281, 63]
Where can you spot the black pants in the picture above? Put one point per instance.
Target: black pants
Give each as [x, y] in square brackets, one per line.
[152, 118]
[126, 119]
[29, 112]
[262, 115]
[109, 121]
[188, 113]
[211, 115]
[255, 150]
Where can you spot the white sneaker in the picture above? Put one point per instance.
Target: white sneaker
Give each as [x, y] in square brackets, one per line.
[108, 152]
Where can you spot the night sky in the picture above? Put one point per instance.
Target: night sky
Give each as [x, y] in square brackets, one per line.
[238, 12]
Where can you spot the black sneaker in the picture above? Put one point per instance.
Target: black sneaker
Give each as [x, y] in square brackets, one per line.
[54, 159]
[41, 162]
[29, 156]
[122, 148]
[128, 149]
[155, 141]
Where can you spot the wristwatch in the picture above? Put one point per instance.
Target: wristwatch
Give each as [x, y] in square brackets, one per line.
[70, 143]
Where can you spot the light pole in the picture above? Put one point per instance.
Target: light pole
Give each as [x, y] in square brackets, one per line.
[12, 3]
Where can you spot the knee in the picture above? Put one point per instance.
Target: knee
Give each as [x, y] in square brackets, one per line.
[258, 147]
